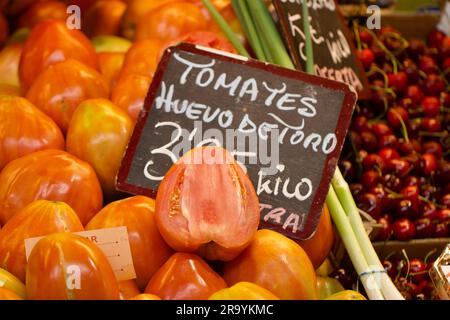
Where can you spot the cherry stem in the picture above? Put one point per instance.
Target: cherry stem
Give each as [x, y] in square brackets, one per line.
[381, 116]
[376, 69]
[443, 109]
[429, 255]
[357, 37]
[404, 130]
[407, 261]
[433, 134]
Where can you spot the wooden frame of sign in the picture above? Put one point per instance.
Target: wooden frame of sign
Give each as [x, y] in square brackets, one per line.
[350, 69]
[293, 184]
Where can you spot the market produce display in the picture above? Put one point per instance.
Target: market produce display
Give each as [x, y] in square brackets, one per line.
[69, 102]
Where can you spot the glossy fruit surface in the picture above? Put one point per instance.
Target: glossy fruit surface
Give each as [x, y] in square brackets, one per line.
[346, 295]
[9, 64]
[41, 11]
[6, 294]
[244, 291]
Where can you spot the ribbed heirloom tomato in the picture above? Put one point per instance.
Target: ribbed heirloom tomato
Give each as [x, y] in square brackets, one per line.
[98, 134]
[9, 64]
[39, 218]
[142, 58]
[191, 217]
[171, 21]
[110, 66]
[244, 291]
[65, 266]
[128, 289]
[25, 129]
[185, 277]
[63, 86]
[49, 175]
[276, 263]
[50, 42]
[148, 249]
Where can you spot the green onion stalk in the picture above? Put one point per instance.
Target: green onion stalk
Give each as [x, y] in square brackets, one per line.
[268, 46]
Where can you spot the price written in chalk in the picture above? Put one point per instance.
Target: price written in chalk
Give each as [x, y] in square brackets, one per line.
[284, 127]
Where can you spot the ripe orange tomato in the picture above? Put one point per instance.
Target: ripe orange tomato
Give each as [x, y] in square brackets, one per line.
[9, 64]
[136, 9]
[145, 296]
[39, 218]
[4, 29]
[103, 18]
[9, 90]
[50, 42]
[148, 249]
[6, 294]
[51, 175]
[185, 277]
[319, 246]
[110, 66]
[244, 291]
[188, 214]
[41, 11]
[25, 129]
[171, 21]
[206, 39]
[130, 92]
[65, 266]
[142, 58]
[128, 289]
[63, 86]
[276, 263]
[346, 295]
[98, 133]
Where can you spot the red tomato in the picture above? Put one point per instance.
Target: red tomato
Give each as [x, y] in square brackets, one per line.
[63, 86]
[206, 39]
[145, 296]
[103, 18]
[51, 42]
[39, 218]
[24, 129]
[148, 249]
[9, 64]
[41, 11]
[98, 134]
[110, 66]
[6, 294]
[319, 246]
[4, 29]
[244, 291]
[130, 92]
[128, 289]
[188, 214]
[51, 175]
[143, 58]
[171, 21]
[65, 266]
[185, 277]
[136, 9]
[276, 263]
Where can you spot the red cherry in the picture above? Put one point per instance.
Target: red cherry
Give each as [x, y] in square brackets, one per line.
[386, 230]
[398, 81]
[445, 200]
[431, 124]
[399, 167]
[372, 161]
[380, 129]
[411, 70]
[424, 228]
[445, 99]
[428, 210]
[371, 204]
[391, 268]
[428, 164]
[366, 37]
[366, 57]
[442, 230]
[369, 141]
[443, 215]
[416, 48]
[403, 229]
[414, 93]
[411, 193]
[417, 270]
[405, 209]
[392, 182]
[411, 181]
[395, 114]
[446, 64]
[388, 153]
[359, 124]
[388, 140]
[370, 178]
[431, 106]
[428, 65]
[436, 38]
[432, 147]
[434, 85]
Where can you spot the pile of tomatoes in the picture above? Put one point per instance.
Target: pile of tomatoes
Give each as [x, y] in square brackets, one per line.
[69, 99]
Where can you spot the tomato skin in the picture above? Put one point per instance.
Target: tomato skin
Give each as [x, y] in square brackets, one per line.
[110, 66]
[63, 86]
[145, 296]
[188, 214]
[47, 274]
[319, 246]
[50, 42]
[185, 277]
[206, 39]
[103, 18]
[128, 289]
[148, 249]
[6, 294]
[171, 21]
[39, 218]
[9, 64]
[41, 11]
[49, 175]
[130, 92]
[25, 129]
[4, 29]
[244, 291]
[346, 295]
[142, 58]
[98, 134]
[276, 263]
[17, 6]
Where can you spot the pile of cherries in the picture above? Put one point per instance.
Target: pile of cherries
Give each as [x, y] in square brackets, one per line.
[397, 155]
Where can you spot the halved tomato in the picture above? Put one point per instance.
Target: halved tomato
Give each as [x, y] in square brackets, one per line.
[189, 215]
[244, 291]
[185, 277]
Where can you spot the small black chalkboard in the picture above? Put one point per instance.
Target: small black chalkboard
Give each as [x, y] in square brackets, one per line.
[334, 54]
[285, 127]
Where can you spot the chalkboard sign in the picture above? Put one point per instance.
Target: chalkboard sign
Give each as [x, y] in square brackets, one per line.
[286, 128]
[334, 54]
